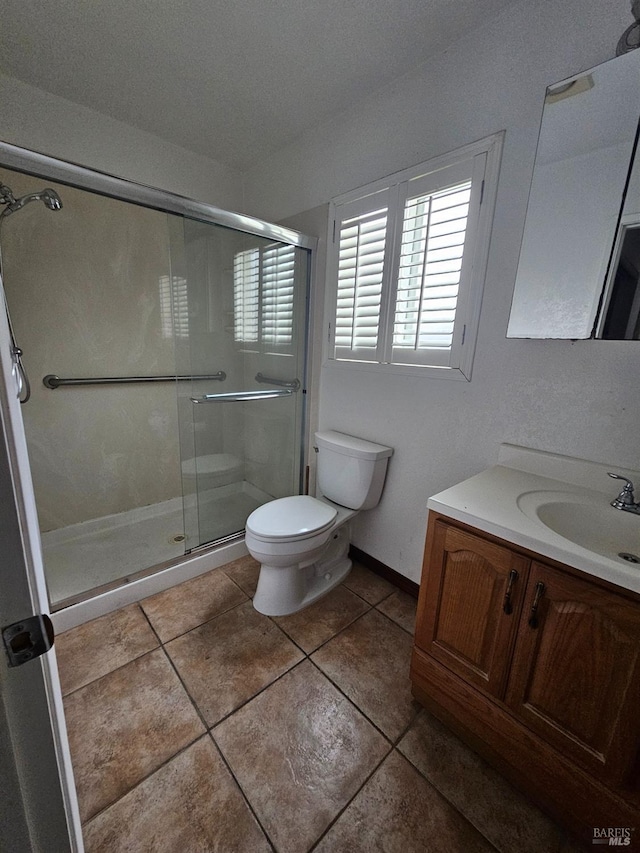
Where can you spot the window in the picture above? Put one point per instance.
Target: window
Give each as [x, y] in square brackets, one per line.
[263, 280]
[407, 264]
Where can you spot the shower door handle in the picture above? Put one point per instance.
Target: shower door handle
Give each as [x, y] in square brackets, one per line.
[242, 396]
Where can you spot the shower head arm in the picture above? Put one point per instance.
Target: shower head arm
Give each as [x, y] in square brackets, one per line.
[49, 197]
[6, 195]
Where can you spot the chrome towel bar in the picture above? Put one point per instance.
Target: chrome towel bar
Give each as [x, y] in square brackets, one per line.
[294, 384]
[52, 381]
[242, 396]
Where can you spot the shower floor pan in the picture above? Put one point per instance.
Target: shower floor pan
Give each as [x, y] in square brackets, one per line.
[89, 555]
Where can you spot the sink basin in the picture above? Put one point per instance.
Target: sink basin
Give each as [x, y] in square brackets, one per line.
[587, 520]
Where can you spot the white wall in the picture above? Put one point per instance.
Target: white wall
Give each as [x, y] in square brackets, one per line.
[48, 124]
[580, 399]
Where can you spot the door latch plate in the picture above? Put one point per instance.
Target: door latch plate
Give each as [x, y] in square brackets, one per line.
[28, 639]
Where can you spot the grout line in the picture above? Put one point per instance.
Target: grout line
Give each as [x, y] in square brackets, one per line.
[184, 687]
[144, 778]
[329, 639]
[350, 801]
[200, 624]
[149, 622]
[352, 702]
[111, 671]
[393, 621]
[234, 581]
[255, 695]
[405, 731]
[240, 788]
[179, 676]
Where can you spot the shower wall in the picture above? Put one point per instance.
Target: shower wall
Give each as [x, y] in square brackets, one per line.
[88, 289]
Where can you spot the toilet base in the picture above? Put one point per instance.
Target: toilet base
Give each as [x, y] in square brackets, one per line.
[281, 591]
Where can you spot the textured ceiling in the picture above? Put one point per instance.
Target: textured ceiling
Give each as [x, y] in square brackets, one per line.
[231, 80]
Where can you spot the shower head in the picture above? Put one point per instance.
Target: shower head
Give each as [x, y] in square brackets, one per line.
[49, 197]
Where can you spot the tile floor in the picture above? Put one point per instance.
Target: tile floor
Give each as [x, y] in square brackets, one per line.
[197, 724]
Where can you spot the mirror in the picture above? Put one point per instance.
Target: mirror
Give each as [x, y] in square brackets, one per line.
[620, 318]
[587, 141]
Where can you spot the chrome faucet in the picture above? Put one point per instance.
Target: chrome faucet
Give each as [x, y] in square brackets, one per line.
[625, 500]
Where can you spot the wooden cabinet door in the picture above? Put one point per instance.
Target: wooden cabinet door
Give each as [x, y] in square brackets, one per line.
[575, 675]
[470, 599]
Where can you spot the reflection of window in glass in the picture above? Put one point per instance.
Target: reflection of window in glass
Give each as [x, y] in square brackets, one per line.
[174, 307]
[263, 282]
[246, 295]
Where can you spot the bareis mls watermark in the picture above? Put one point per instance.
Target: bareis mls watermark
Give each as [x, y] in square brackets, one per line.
[613, 836]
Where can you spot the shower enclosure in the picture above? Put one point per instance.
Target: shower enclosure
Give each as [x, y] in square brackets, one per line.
[165, 345]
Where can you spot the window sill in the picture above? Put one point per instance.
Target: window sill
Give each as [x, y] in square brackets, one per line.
[426, 372]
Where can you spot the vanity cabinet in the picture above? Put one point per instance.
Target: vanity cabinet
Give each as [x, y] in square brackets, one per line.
[537, 666]
[473, 595]
[575, 673]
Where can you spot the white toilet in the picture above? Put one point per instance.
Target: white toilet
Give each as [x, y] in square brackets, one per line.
[302, 542]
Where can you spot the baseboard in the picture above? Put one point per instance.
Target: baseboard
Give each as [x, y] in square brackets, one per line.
[389, 574]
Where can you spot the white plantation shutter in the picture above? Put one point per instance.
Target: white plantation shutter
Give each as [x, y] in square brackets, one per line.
[361, 257]
[263, 289]
[406, 253]
[430, 266]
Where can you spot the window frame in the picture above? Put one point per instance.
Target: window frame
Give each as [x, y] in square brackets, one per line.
[484, 159]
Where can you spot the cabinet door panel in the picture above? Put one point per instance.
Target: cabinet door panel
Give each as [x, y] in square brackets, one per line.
[464, 623]
[576, 676]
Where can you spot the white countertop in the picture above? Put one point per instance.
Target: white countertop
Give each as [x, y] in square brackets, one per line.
[492, 500]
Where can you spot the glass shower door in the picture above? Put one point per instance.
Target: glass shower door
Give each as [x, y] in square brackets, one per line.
[238, 308]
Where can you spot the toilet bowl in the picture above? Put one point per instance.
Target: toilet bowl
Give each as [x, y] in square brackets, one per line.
[302, 542]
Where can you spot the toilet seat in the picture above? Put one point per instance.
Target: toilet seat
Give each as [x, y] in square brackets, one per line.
[291, 519]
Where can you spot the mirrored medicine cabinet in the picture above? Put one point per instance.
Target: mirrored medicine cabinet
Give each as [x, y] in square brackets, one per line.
[579, 268]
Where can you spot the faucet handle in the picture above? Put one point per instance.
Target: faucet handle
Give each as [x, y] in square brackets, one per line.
[625, 498]
[628, 484]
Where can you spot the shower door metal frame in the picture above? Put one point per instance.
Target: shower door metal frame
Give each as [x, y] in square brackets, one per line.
[43, 166]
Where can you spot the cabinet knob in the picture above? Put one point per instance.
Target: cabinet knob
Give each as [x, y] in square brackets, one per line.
[533, 616]
[507, 606]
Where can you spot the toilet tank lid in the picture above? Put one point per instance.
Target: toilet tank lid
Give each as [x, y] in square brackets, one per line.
[349, 445]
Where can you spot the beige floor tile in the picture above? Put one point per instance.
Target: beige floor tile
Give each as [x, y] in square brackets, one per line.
[181, 608]
[300, 751]
[369, 661]
[507, 818]
[314, 625]
[191, 804]
[398, 811]
[400, 607]
[245, 573]
[367, 584]
[91, 650]
[124, 726]
[231, 658]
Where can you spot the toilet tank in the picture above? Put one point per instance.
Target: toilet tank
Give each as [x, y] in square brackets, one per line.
[351, 471]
